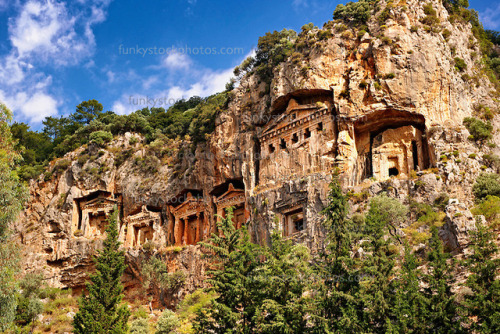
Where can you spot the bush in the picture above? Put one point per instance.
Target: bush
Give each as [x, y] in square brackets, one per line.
[460, 64]
[431, 18]
[356, 12]
[478, 129]
[389, 76]
[139, 326]
[167, 322]
[61, 166]
[487, 184]
[492, 161]
[391, 210]
[490, 209]
[101, 137]
[446, 34]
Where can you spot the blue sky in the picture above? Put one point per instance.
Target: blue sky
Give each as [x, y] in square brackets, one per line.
[55, 54]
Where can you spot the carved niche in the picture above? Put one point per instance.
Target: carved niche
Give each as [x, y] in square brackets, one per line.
[91, 212]
[190, 221]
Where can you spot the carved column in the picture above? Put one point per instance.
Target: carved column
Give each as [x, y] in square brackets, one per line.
[198, 228]
[186, 227]
[177, 232]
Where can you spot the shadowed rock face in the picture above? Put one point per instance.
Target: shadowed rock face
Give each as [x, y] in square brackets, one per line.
[272, 155]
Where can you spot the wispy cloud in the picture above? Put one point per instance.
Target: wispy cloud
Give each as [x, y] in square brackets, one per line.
[490, 17]
[199, 81]
[177, 61]
[300, 4]
[45, 34]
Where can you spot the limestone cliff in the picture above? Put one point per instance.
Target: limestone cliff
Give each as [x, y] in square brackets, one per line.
[382, 107]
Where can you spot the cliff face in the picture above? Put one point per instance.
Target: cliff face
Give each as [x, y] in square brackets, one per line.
[380, 106]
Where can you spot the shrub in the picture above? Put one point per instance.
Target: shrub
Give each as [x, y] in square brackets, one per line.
[442, 201]
[386, 40]
[149, 246]
[478, 129]
[139, 326]
[472, 156]
[431, 18]
[61, 166]
[390, 76]
[492, 161]
[101, 137]
[460, 64]
[167, 322]
[357, 12]
[490, 209]
[446, 34]
[133, 140]
[487, 184]
[391, 211]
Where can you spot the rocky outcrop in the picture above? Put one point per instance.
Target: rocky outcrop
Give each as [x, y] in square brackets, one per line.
[381, 107]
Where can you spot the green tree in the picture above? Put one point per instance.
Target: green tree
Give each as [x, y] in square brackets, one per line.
[443, 314]
[167, 323]
[139, 326]
[100, 311]
[356, 12]
[234, 260]
[483, 302]
[338, 304]
[486, 184]
[86, 112]
[478, 129]
[12, 197]
[410, 304]
[272, 49]
[282, 282]
[377, 288]
[29, 305]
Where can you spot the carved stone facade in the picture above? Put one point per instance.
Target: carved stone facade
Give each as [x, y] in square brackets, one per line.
[310, 137]
[190, 222]
[145, 226]
[300, 140]
[236, 199]
[91, 212]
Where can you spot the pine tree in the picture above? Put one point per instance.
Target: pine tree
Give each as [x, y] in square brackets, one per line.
[377, 284]
[100, 311]
[338, 305]
[410, 304]
[234, 260]
[483, 304]
[443, 314]
[283, 280]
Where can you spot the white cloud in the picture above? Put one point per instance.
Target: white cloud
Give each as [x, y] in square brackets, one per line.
[177, 61]
[33, 108]
[45, 33]
[121, 108]
[491, 17]
[210, 83]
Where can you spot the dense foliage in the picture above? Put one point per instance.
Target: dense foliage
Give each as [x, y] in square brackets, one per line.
[100, 311]
[12, 196]
[361, 283]
[89, 124]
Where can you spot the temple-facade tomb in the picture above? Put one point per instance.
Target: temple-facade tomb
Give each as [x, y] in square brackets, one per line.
[144, 226]
[90, 213]
[190, 223]
[232, 198]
